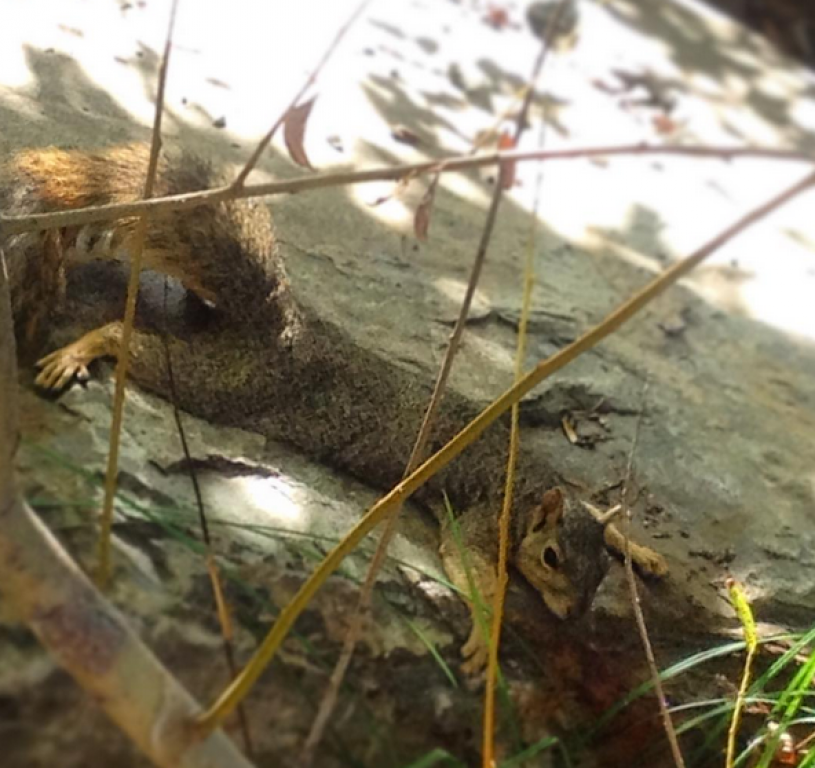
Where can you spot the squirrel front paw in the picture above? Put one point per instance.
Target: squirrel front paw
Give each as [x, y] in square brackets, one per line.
[475, 652]
[649, 562]
[60, 367]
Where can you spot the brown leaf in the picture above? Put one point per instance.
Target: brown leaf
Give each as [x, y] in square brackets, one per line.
[382, 200]
[335, 142]
[664, 125]
[505, 142]
[404, 135]
[398, 190]
[584, 429]
[674, 325]
[569, 430]
[218, 83]
[786, 753]
[497, 16]
[294, 130]
[421, 221]
[602, 86]
[757, 709]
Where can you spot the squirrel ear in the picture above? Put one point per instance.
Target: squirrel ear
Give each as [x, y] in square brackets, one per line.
[549, 512]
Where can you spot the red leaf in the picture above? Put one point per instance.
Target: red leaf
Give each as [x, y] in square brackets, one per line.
[421, 221]
[505, 141]
[507, 171]
[664, 125]
[497, 17]
[294, 130]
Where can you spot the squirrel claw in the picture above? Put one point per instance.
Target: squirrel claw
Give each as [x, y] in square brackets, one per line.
[58, 368]
[475, 653]
[475, 664]
[651, 563]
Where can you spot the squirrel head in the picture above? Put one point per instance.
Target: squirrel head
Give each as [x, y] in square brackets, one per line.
[562, 554]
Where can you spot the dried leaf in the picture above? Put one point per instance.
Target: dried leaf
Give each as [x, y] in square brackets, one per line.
[484, 138]
[757, 708]
[604, 87]
[335, 142]
[507, 175]
[404, 135]
[584, 430]
[664, 125]
[505, 141]
[674, 325]
[786, 752]
[381, 200]
[569, 430]
[421, 221]
[294, 131]
[397, 191]
[497, 16]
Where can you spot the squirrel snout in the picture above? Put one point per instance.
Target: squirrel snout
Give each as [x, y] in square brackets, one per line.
[563, 606]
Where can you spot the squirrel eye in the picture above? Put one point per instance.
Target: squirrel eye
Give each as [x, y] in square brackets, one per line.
[550, 557]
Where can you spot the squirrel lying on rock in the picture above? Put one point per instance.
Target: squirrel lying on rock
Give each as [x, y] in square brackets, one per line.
[266, 364]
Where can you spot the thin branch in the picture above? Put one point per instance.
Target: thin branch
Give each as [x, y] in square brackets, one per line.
[106, 523]
[484, 137]
[264, 142]
[537, 68]
[266, 652]
[13, 225]
[670, 731]
[488, 735]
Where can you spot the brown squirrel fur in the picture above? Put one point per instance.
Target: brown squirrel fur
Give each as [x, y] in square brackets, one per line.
[267, 364]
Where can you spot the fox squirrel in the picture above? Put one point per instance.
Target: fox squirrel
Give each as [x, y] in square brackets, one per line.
[268, 364]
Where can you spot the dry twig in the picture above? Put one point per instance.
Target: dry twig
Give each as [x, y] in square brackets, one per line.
[13, 225]
[670, 731]
[488, 736]
[106, 523]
